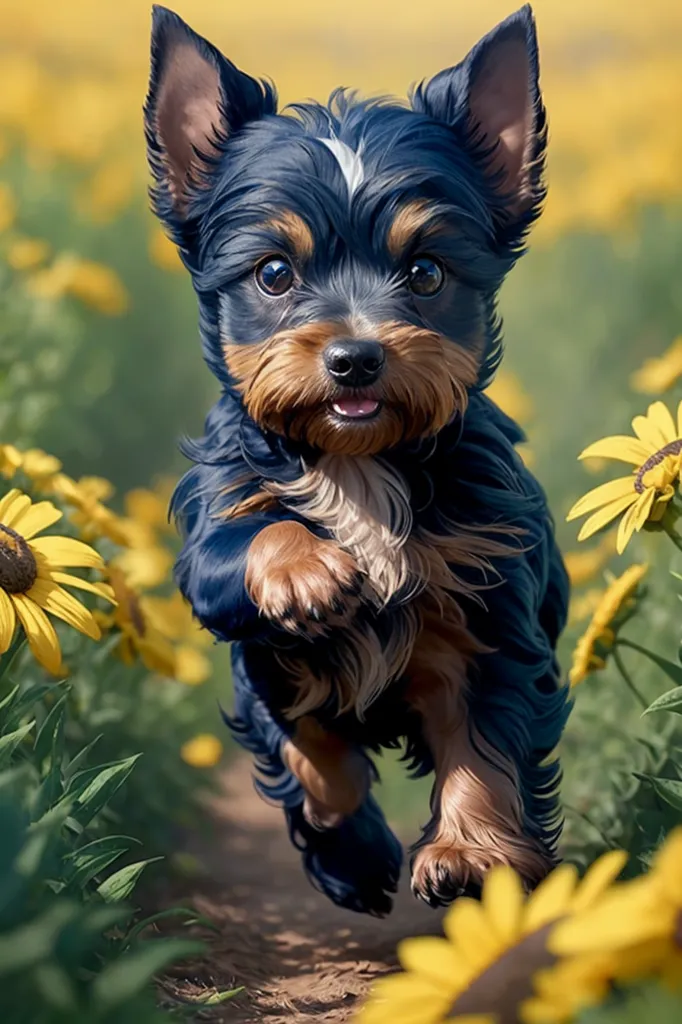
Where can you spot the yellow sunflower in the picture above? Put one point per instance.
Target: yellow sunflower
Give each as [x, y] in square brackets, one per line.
[203, 751]
[659, 373]
[492, 950]
[656, 454]
[10, 460]
[596, 642]
[31, 574]
[583, 566]
[639, 923]
[172, 618]
[91, 516]
[139, 638]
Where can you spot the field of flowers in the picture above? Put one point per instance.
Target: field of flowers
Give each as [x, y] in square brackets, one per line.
[100, 373]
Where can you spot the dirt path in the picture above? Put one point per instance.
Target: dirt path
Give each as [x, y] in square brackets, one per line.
[300, 958]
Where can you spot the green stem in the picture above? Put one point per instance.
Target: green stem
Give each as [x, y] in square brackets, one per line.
[628, 679]
[669, 528]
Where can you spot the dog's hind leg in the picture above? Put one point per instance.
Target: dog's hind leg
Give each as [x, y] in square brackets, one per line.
[477, 814]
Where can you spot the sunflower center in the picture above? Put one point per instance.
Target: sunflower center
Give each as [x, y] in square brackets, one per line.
[508, 982]
[674, 448]
[18, 569]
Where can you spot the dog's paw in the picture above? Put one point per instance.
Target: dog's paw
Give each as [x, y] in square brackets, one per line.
[443, 871]
[304, 584]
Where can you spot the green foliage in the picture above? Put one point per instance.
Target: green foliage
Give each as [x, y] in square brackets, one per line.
[646, 1005]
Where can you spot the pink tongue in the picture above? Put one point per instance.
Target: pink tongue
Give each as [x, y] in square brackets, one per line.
[356, 406]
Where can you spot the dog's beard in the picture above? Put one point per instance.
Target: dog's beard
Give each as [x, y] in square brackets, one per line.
[285, 388]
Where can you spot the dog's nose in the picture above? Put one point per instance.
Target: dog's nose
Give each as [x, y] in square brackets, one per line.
[354, 364]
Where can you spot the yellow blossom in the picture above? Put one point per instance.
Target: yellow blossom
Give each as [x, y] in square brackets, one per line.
[659, 373]
[163, 252]
[139, 638]
[27, 253]
[583, 566]
[7, 207]
[10, 460]
[507, 392]
[203, 751]
[593, 646]
[656, 454]
[94, 284]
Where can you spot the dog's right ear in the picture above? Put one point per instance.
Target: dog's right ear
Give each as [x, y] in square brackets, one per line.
[197, 99]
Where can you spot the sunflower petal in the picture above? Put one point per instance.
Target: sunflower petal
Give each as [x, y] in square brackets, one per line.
[604, 516]
[13, 510]
[103, 590]
[619, 446]
[551, 899]
[40, 633]
[659, 414]
[629, 915]
[503, 902]
[36, 518]
[467, 927]
[648, 431]
[7, 621]
[405, 999]
[59, 602]
[598, 878]
[432, 958]
[626, 527]
[643, 507]
[65, 551]
[7, 501]
[602, 495]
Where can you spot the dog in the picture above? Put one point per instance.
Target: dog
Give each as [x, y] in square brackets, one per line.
[357, 521]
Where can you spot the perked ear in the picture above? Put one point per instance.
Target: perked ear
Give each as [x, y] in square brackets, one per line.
[493, 98]
[197, 99]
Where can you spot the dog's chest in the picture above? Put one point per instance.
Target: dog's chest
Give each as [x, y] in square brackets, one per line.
[364, 503]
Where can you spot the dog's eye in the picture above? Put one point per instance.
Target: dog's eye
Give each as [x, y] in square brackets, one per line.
[274, 276]
[425, 276]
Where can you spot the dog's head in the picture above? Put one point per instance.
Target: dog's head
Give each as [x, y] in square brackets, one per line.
[347, 258]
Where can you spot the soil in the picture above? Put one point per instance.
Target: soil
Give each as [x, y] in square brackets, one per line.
[299, 958]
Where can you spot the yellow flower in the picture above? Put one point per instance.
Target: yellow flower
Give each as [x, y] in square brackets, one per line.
[144, 565]
[138, 636]
[595, 643]
[656, 453]
[10, 460]
[584, 565]
[151, 507]
[31, 571]
[108, 192]
[583, 605]
[40, 466]
[172, 617]
[507, 392]
[659, 373]
[192, 667]
[92, 518]
[92, 283]
[163, 252]
[639, 923]
[8, 207]
[27, 253]
[491, 952]
[203, 751]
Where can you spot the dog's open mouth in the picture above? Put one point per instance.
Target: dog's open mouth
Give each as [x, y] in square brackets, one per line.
[356, 408]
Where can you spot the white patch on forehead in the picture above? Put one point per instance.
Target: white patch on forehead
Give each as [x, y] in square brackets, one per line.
[349, 161]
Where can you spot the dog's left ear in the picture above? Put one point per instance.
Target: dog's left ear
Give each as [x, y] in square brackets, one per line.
[493, 99]
[197, 99]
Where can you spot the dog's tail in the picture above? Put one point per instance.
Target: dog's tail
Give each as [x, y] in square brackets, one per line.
[355, 864]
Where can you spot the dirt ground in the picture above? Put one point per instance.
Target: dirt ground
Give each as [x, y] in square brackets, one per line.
[299, 958]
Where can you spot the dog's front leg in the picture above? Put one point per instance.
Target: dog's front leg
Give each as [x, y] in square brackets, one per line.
[301, 582]
[477, 814]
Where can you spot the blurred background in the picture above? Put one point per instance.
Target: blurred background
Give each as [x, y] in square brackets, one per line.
[99, 353]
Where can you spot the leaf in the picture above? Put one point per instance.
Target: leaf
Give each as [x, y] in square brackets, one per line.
[672, 670]
[33, 942]
[132, 972]
[669, 790]
[7, 701]
[56, 988]
[215, 998]
[100, 790]
[50, 730]
[26, 700]
[75, 765]
[120, 885]
[83, 864]
[49, 792]
[670, 701]
[10, 742]
[191, 915]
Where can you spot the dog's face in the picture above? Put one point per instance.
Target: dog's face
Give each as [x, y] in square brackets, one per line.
[347, 258]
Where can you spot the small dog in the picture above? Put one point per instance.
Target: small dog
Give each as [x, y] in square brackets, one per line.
[357, 520]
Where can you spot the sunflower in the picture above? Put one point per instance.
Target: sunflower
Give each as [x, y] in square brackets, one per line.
[656, 454]
[639, 923]
[614, 606]
[92, 518]
[10, 460]
[660, 372]
[492, 950]
[583, 566]
[31, 571]
[139, 638]
[203, 751]
[172, 618]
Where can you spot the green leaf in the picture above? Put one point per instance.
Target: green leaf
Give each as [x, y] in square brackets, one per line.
[26, 700]
[50, 730]
[120, 885]
[191, 915]
[669, 790]
[100, 790]
[76, 764]
[7, 701]
[672, 670]
[56, 987]
[215, 998]
[133, 971]
[670, 701]
[49, 793]
[83, 864]
[34, 942]
[10, 742]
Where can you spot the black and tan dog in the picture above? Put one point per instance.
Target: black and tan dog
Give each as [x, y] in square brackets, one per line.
[357, 520]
